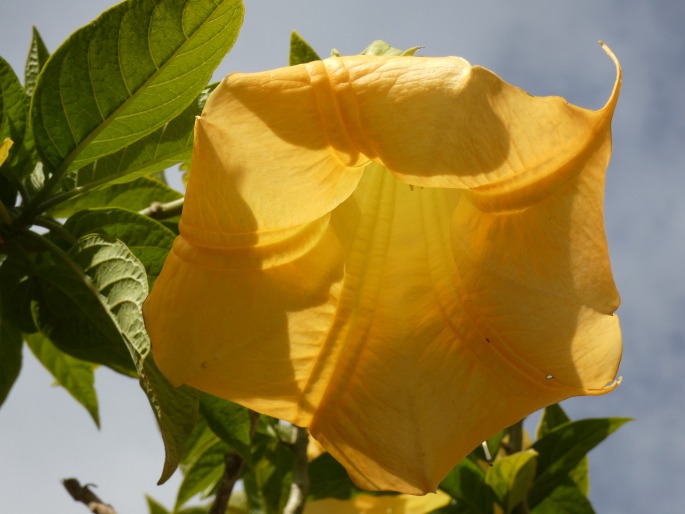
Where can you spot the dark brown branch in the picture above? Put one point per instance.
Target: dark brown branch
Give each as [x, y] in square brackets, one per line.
[233, 466]
[83, 494]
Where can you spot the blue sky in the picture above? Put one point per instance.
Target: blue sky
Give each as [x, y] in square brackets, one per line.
[545, 47]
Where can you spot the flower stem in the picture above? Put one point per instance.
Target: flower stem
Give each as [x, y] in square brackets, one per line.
[160, 211]
[300, 485]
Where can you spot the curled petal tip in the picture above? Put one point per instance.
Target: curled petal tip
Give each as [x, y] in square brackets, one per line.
[611, 104]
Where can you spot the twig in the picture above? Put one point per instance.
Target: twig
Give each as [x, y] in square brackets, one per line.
[160, 211]
[300, 485]
[233, 465]
[82, 493]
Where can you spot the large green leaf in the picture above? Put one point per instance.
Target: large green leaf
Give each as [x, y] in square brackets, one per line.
[148, 240]
[466, 484]
[120, 278]
[74, 375]
[38, 56]
[563, 447]
[135, 196]
[300, 51]
[511, 478]
[135, 68]
[167, 146]
[228, 420]
[72, 309]
[10, 355]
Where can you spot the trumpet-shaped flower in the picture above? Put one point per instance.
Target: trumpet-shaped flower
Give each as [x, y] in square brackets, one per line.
[404, 254]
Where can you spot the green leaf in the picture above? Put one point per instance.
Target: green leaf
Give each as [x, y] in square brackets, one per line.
[10, 356]
[135, 196]
[167, 146]
[148, 240]
[121, 77]
[155, 507]
[97, 315]
[552, 417]
[121, 278]
[197, 443]
[379, 47]
[203, 475]
[561, 449]
[230, 421]
[300, 51]
[267, 480]
[17, 291]
[466, 484]
[13, 115]
[511, 478]
[38, 56]
[328, 479]
[176, 411]
[72, 309]
[74, 375]
[566, 498]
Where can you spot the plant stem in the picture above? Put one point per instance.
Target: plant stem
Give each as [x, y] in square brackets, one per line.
[83, 494]
[300, 485]
[160, 211]
[233, 466]
[55, 250]
[55, 226]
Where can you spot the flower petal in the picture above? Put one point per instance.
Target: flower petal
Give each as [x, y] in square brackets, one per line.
[365, 504]
[5, 149]
[402, 324]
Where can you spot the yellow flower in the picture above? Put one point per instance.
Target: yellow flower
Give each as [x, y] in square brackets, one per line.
[404, 254]
[364, 504]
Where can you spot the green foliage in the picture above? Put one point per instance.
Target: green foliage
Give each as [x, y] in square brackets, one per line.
[230, 422]
[152, 59]
[203, 474]
[511, 478]
[550, 476]
[86, 222]
[328, 479]
[38, 56]
[74, 375]
[300, 51]
[10, 355]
